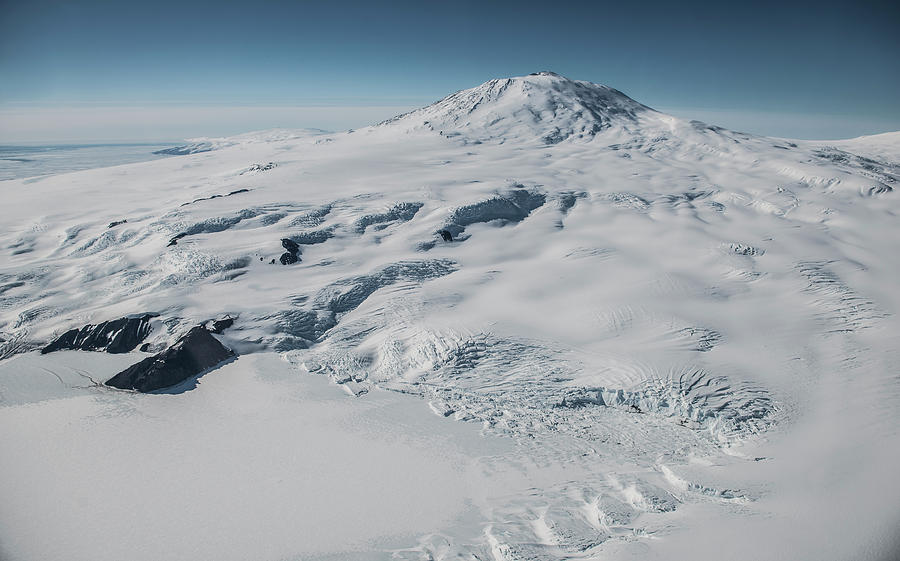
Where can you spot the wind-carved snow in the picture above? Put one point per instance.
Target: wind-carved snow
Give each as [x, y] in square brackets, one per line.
[642, 317]
[843, 309]
[312, 218]
[523, 387]
[302, 327]
[510, 206]
[216, 224]
[628, 201]
[400, 212]
[884, 175]
[313, 237]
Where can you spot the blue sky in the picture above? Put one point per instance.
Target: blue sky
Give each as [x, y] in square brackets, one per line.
[129, 70]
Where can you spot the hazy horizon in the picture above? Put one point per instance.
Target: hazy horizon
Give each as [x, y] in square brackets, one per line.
[175, 123]
[133, 72]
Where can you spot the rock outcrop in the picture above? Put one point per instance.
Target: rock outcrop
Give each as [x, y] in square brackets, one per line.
[190, 356]
[117, 336]
[220, 325]
[292, 255]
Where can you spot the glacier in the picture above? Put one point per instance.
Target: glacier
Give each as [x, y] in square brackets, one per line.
[645, 338]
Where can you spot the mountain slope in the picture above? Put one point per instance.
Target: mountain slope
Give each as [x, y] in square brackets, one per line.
[645, 337]
[543, 106]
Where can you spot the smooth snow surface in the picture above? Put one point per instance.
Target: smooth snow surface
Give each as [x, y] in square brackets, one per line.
[18, 162]
[199, 145]
[649, 339]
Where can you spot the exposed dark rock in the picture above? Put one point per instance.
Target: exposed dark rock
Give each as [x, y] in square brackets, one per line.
[446, 236]
[259, 167]
[220, 325]
[293, 252]
[116, 336]
[216, 196]
[117, 223]
[190, 356]
[174, 240]
[145, 347]
[290, 245]
[749, 250]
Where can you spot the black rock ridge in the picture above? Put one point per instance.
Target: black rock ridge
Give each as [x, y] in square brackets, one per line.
[219, 325]
[292, 255]
[117, 336]
[193, 354]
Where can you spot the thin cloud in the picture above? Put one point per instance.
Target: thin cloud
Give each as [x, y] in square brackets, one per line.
[86, 123]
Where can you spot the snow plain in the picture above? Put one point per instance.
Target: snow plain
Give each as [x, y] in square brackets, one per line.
[649, 339]
[31, 161]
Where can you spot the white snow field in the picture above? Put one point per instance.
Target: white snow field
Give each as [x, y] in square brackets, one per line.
[647, 339]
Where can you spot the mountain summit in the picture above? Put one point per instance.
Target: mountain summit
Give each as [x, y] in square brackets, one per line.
[543, 105]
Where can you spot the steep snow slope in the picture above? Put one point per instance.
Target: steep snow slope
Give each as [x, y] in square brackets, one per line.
[666, 332]
[543, 106]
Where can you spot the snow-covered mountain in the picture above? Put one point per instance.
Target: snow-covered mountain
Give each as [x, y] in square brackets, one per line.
[543, 107]
[562, 324]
